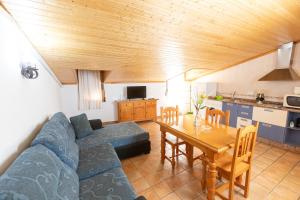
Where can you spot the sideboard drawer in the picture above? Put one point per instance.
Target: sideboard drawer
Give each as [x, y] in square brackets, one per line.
[150, 103]
[126, 105]
[138, 104]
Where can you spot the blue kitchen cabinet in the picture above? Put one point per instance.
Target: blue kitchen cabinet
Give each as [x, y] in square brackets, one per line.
[244, 111]
[293, 133]
[271, 132]
[233, 112]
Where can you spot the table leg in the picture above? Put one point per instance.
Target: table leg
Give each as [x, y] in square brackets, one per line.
[163, 146]
[211, 180]
[204, 176]
[190, 154]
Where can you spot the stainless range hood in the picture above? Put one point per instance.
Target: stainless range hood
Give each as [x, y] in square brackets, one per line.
[283, 70]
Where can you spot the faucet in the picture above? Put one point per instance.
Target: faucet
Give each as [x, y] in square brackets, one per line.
[233, 96]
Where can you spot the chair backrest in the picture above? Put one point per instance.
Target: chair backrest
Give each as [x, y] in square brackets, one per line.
[169, 114]
[244, 146]
[215, 116]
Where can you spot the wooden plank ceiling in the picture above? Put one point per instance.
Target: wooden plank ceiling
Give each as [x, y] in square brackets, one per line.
[153, 40]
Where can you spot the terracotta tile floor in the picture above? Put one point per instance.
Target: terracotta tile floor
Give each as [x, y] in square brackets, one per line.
[275, 174]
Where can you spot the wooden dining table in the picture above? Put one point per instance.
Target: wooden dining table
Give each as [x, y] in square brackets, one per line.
[212, 140]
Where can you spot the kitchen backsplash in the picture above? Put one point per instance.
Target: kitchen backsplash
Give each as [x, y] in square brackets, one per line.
[252, 97]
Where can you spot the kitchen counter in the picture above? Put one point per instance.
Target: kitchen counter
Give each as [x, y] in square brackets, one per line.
[274, 120]
[266, 104]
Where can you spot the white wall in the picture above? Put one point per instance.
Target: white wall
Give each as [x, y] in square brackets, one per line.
[24, 104]
[114, 92]
[243, 77]
[179, 93]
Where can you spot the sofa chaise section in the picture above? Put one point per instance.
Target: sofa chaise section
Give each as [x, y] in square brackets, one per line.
[127, 138]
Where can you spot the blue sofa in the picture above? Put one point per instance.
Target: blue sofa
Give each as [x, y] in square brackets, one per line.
[59, 166]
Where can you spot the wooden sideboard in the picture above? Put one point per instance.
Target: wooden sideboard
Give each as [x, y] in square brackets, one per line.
[137, 110]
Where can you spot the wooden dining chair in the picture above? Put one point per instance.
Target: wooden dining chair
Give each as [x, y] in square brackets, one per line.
[232, 167]
[216, 116]
[170, 115]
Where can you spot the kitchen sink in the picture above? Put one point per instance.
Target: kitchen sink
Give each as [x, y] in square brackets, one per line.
[253, 102]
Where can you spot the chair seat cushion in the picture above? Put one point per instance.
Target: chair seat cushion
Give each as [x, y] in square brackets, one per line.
[97, 159]
[53, 135]
[39, 174]
[118, 135]
[112, 184]
[225, 161]
[81, 126]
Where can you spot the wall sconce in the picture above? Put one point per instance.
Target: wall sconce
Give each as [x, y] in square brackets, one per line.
[29, 72]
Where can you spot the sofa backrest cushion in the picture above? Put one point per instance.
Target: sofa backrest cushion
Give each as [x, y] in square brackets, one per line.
[63, 120]
[53, 135]
[39, 174]
[81, 126]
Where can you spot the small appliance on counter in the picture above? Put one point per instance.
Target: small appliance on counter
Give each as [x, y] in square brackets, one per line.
[292, 101]
[260, 97]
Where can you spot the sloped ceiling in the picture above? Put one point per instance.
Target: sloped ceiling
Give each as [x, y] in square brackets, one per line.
[153, 40]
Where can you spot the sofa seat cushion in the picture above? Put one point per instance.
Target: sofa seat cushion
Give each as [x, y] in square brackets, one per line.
[112, 184]
[63, 120]
[118, 135]
[81, 126]
[97, 159]
[39, 174]
[53, 135]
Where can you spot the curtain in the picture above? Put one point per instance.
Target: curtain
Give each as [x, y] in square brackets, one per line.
[89, 88]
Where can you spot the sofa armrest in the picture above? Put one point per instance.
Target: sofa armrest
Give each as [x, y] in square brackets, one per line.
[140, 198]
[96, 124]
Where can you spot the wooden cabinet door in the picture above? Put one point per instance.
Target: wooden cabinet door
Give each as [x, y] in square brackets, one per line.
[139, 110]
[126, 111]
[270, 116]
[245, 111]
[151, 110]
[271, 132]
